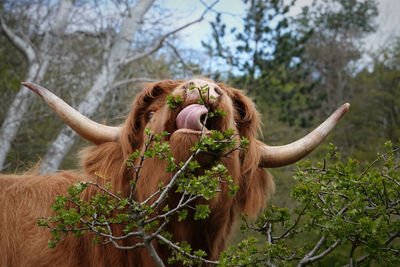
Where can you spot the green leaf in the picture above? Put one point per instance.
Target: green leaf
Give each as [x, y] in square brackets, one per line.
[202, 212]
[182, 214]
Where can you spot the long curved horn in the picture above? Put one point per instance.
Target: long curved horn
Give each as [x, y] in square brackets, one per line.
[278, 156]
[90, 130]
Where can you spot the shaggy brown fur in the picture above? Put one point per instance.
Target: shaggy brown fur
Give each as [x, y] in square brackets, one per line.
[27, 197]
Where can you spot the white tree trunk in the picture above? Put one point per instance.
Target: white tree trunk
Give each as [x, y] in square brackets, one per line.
[38, 64]
[15, 115]
[96, 95]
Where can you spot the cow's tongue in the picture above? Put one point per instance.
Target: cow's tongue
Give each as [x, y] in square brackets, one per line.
[189, 117]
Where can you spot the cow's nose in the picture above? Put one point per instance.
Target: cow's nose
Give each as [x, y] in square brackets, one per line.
[192, 89]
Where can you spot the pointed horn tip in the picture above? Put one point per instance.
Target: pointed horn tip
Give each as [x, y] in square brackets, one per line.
[341, 111]
[34, 87]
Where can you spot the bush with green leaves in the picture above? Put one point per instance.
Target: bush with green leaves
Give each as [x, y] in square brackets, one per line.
[347, 206]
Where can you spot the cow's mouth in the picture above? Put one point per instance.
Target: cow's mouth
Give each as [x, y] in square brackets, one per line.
[209, 123]
[195, 118]
[192, 123]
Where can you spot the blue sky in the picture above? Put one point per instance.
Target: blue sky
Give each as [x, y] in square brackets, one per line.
[188, 10]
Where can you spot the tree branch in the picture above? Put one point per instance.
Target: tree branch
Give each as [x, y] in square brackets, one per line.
[153, 253]
[359, 260]
[18, 42]
[364, 257]
[168, 242]
[133, 80]
[286, 234]
[178, 56]
[392, 237]
[378, 159]
[308, 258]
[326, 252]
[269, 239]
[316, 247]
[164, 193]
[158, 44]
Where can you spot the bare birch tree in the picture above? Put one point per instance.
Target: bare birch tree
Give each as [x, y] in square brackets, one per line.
[38, 59]
[118, 51]
[118, 55]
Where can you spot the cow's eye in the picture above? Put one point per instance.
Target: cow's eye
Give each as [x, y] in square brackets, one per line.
[150, 115]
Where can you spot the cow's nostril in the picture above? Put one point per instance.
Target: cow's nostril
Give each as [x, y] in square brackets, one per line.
[188, 85]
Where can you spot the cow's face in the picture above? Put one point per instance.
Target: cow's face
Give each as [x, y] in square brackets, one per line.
[184, 110]
[158, 109]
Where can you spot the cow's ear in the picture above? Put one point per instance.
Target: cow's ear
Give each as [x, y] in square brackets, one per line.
[153, 95]
[246, 116]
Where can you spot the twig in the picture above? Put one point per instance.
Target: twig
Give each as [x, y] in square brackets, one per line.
[309, 258]
[359, 260]
[174, 210]
[103, 189]
[133, 80]
[160, 42]
[316, 247]
[392, 237]
[109, 236]
[284, 235]
[353, 248]
[138, 168]
[172, 182]
[178, 56]
[177, 248]
[391, 179]
[326, 252]
[378, 159]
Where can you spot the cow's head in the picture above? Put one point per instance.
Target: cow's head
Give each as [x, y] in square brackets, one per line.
[184, 122]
